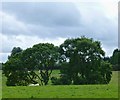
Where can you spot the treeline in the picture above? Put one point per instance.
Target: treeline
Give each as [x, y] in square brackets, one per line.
[80, 61]
[114, 60]
[0, 66]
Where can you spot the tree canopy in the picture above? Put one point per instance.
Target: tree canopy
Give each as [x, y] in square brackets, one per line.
[31, 65]
[115, 59]
[80, 60]
[82, 63]
[14, 51]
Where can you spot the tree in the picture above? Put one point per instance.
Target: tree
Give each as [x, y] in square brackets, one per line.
[14, 71]
[22, 68]
[0, 66]
[14, 51]
[106, 59]
[115, 59]
[81, 61]
[45, 57]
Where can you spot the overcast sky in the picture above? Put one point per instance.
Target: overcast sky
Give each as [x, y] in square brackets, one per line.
[27, 23]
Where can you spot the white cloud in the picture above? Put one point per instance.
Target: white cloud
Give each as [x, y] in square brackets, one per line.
[10, 25]
[96, 20]
[3, 57]
[101, 22]
[8, 42]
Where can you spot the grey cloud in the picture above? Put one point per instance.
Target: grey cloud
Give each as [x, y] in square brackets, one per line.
[49, 32]
[53, 20]
[56, 20]
[47, 14]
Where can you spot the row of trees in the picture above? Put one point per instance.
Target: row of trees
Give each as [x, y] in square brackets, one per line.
[114, 60]
[0, 66]
[81, 61]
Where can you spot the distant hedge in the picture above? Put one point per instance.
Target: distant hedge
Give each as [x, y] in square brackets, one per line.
[0, 66]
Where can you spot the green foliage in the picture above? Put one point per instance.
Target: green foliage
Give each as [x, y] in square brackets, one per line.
[14, 51]
[1, 66]
[115, 59]
[106, 72]
[15, 71]
[81, 61]
[64, 79]
[55, 81]
[45, 56]
[21, 67]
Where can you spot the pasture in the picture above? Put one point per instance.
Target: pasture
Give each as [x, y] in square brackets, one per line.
[62, 91]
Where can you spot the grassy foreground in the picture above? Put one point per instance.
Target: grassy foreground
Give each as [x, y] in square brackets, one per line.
[64, 91]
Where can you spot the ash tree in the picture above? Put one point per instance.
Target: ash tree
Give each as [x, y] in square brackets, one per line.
[82, 62]
[33, 65]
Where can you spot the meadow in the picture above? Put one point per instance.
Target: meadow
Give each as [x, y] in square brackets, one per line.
[62, 91]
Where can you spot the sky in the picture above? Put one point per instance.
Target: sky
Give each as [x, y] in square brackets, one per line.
[23, 24]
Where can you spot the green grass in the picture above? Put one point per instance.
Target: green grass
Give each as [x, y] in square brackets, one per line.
[63, 91]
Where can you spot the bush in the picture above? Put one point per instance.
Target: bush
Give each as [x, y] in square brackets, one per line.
[55, 81]
[63, 80]
[116, 67]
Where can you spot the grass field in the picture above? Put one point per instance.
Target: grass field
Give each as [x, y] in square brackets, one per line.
[63, 91]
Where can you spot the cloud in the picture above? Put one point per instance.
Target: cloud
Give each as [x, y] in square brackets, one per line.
[27, 23]
[101, 22]
[3, 57]
[42, 19]
[12, 26]
[25, 42]
[8, 42]
[47, 14]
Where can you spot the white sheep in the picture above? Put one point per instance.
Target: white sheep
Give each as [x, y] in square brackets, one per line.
[33, 85]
